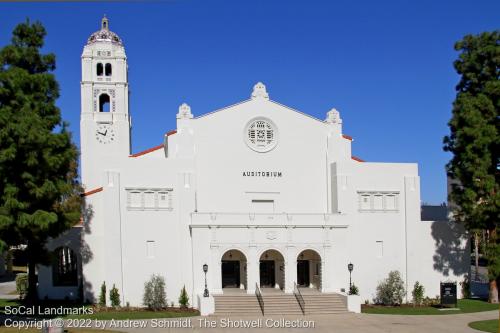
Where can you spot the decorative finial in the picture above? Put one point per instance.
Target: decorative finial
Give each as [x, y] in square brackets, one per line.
[333, 117]
[259, 91]
[105, 23]
[184, 111]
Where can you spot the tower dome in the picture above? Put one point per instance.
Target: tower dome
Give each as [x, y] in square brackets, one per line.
[104, 35]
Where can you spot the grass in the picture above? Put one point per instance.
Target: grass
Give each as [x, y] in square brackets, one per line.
[119, 314]
[143, 314]
[464, 306]
[34, 330]
[485, 325]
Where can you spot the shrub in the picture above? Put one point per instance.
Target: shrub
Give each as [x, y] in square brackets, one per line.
[184, 298]
[102, 295]
[22, 284]
[353, 290]
[155, 297]
[391, 291]
[465, 286]
[114, 297]
[418, 293]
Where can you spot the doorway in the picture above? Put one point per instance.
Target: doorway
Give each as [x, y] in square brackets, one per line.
[267, 278]
[230, 274]
[303, 273]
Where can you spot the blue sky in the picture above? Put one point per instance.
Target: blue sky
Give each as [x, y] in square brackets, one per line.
[385, 65]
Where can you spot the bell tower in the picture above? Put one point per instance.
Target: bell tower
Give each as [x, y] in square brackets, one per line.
[105, 122]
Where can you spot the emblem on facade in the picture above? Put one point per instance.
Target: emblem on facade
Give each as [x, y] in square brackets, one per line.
[261, 135]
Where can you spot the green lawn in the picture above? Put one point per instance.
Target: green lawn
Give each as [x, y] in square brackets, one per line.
[110, 314]
[120, 315]
[34, 330]
[485, 325]
[464, 305]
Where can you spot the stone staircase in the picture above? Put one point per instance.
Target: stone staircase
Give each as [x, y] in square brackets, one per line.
[279, 304]
[324, 303]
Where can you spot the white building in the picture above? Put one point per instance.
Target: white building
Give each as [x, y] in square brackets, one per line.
[264, 194]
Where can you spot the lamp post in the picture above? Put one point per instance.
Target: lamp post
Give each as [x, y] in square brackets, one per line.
[205, 269]
[350, 267]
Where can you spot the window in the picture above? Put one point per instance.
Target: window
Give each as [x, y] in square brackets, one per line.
[135, 199]
[379, 249]
[108, 70]
[262, 206]
[99, 69]
[150, 249]
[149, 199]
[390, 202]
[164, 200]
[64, 267]
[365, 202]
[378, 201]
[104, 103]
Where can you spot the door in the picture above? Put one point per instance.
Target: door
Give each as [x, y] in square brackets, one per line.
[267, 278]
[303, 273]
[230, 274]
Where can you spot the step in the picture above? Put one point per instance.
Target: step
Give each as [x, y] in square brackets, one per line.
[279, 304]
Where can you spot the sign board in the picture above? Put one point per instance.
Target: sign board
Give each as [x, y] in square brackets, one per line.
[448, 294]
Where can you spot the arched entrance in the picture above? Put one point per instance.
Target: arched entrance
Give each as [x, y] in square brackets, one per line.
[309, 269]
[234, 267]
[272, 270]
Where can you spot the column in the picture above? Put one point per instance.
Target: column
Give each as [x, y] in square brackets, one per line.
[252, 269]
[216, 286]
[290, 269]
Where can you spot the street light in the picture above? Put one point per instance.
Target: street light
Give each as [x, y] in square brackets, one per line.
[205, 269]
[350, 267]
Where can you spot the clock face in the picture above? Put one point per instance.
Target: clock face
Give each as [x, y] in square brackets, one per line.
[105, 134]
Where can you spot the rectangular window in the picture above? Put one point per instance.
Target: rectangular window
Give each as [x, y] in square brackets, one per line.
[149, 200]
[365, 203]
[379, 249]
[390, 202]
[378, 201]
[164, 199]
[150, 249]
[262, 206]
[383, 201]
[135, 199]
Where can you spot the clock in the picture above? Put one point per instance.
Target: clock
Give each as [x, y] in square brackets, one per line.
[105, 134]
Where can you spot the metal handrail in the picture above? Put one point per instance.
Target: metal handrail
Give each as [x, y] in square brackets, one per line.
[299, 298]
[259, 297]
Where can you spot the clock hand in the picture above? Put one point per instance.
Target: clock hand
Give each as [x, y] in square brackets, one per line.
[105, 132]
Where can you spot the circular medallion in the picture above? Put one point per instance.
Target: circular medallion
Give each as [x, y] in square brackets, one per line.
[261, 135]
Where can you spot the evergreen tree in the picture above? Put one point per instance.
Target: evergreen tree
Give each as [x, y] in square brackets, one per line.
[102, 295]
[114, 297]
[39, 192]
[183, 298]
[475, 144]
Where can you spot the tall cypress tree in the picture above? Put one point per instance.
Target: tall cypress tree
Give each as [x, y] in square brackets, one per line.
[474, 142]
[39, 191]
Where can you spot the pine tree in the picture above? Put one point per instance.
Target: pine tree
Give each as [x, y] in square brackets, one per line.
[184, 298]
[102, 295]
[475, 144]
[114, 297]
[39, 192]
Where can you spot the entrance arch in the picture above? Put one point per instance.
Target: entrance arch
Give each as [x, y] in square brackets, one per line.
[233, 269]
[272, 269]
[309, 269]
